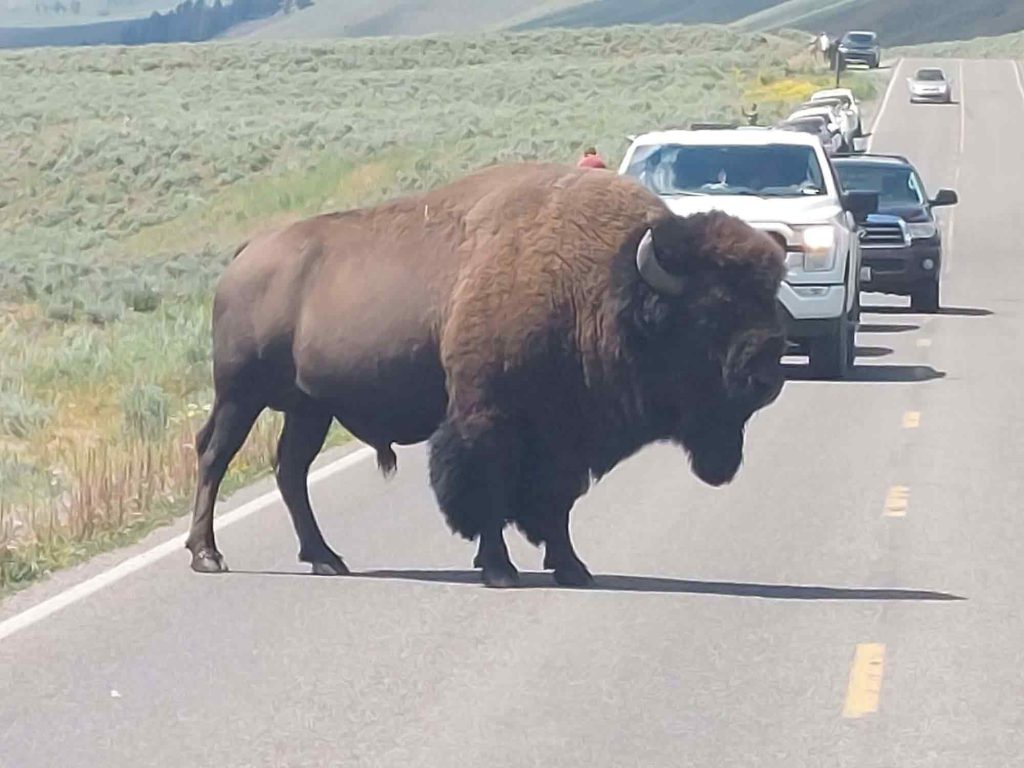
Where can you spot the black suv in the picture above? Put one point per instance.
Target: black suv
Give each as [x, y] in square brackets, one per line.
[861, 47]
[901, 245]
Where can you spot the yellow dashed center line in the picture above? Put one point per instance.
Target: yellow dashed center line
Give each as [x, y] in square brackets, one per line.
[865, 686]
[897, 501]
[911, 419]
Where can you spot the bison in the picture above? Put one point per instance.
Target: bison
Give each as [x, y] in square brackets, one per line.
[536, 323]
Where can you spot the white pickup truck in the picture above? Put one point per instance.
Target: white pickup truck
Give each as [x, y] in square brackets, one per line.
[783, 183]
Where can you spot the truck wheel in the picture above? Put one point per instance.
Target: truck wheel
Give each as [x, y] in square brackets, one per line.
[832, 356]
[925, 298]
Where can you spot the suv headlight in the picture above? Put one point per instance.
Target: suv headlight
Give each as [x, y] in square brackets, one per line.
[922, 230]
[819, 248]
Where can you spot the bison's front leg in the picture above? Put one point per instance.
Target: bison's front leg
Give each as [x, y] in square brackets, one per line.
[549, 490]
[472, 477]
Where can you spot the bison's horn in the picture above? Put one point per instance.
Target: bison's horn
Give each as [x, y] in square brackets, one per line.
[655, 275]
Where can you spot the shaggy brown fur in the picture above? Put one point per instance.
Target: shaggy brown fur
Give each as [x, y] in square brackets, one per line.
[504, 318]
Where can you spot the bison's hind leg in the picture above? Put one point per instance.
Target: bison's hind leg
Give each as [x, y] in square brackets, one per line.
[301, 439]
[472, 477]
[216, 445]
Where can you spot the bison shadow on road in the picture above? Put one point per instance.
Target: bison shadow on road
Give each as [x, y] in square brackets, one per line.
[886, 328]
[662, 585]
[942, 312]
[873, 374]
[874, 351]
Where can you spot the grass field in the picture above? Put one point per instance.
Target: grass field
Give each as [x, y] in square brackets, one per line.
[130, 175]
[998, 47]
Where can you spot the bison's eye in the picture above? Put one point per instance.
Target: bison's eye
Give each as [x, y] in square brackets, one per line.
[759, 377]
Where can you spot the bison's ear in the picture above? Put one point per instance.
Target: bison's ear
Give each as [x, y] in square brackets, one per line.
[653, 272]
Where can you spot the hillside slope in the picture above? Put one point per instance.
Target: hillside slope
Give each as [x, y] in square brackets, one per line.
[602, 13]
[898, 22]
[366, 18]
[1002, 47]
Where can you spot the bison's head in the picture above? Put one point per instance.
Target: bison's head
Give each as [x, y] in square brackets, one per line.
[712, 332]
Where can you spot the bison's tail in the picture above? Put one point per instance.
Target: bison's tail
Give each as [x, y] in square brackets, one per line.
[387, 461]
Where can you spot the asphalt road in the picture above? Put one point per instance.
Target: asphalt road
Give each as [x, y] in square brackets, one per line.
[853, 599]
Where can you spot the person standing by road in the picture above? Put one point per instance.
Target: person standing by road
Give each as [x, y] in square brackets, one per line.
[591, 159]
[824, 45]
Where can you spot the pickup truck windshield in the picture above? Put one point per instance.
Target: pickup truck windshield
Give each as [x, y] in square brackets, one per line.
[895, 185]
[773, 170]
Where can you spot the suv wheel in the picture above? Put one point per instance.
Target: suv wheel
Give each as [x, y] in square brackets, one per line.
[925, 298]
[832, 356]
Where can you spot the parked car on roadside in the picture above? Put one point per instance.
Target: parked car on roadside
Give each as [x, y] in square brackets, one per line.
[837, 122]
[861, 47]
[818, 126]
[850, 103]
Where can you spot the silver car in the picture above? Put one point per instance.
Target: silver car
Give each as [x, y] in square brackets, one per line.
[930, 84]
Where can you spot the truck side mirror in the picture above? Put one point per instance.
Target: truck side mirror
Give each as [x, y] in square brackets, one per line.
[945, 197]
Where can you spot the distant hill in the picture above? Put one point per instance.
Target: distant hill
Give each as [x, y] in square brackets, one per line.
[373, 18]
[898, 22]
[606, 13]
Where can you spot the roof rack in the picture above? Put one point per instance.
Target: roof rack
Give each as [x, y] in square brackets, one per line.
[714, 126]
[901, 158]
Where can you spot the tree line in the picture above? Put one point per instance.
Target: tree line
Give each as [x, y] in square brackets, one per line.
[193, 20]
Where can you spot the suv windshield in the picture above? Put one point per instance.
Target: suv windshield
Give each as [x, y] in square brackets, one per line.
[894, 184]
[859, 39]
[930, 74]
[773, 170]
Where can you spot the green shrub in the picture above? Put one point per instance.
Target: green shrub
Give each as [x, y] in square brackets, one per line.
[20, 416]
[145, 408]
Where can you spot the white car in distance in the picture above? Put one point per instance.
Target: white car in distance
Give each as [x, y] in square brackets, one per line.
[782, 183]
[930, 84]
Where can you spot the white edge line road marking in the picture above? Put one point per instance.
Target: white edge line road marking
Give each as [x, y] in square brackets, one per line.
[1016, 71]
[963, 113]
[127, 567]
[885, 103]
[947, 263]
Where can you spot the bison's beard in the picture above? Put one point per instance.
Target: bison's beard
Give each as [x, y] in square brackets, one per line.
[716, 453]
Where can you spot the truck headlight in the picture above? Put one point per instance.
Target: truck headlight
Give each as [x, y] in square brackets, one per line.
[819, 248]
[922, 230]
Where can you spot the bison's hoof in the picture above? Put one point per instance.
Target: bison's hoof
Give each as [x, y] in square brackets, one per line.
[333, 567]
[501, 577]
[575, 575]
[209, 561]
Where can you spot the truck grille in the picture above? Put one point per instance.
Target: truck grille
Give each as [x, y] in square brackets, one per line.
[888, 232]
